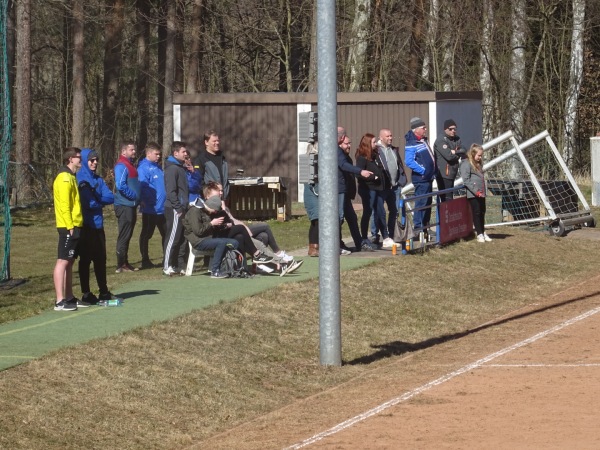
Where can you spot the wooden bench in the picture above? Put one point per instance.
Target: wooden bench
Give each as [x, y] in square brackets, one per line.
[192, 258]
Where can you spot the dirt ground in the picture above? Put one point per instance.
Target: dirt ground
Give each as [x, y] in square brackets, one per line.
[530, 379]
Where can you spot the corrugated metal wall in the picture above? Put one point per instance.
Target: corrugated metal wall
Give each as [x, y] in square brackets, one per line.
[260, 139]
[259, 131]
[359, 119]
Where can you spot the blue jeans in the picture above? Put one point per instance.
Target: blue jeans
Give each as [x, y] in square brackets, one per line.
[341, 206]
[390, 198]
[218, 245]
[421, 218]
[379, 212]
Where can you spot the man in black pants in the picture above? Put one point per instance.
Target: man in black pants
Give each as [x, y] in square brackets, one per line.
[94, 196]
[152, 205]
[127, 199]
[176, 204]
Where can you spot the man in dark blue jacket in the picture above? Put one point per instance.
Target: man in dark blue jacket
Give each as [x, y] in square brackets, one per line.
[420, 159]
[176, 205]
[127, 199]
[345, 167]
[152, 205]
[94, 196]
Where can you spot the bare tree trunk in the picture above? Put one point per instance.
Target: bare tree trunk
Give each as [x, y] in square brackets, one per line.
[312, 67]
[162, 58]
[169, 77]
[285, 48]
[78, 125]
[179, 78]
[194, 59]
[447, 39]
[112, 72]
[485, 77]
[517, 83]
[430, 48]
[575, 77]
[23, 101]
[416, 44]
[357, 53]
[143, 66]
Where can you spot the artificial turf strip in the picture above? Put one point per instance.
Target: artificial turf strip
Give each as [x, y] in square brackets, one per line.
[144, 303]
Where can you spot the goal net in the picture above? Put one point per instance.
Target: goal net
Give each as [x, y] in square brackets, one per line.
[529, 184]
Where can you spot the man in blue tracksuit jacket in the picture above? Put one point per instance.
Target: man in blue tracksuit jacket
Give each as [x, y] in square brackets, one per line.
[152, 204]
[127, 199]
[421, 161]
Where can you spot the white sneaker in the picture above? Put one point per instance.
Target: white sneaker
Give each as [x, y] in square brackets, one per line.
[487, 238]
[388, 243]
[285, 257]
[480, 238]
[169, 272]
[291, 268]
[344, 252]
[264, 269]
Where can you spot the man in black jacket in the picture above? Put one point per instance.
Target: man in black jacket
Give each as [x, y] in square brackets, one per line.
[349, 213]
[212, 164]
[448, 151]
[176, 204]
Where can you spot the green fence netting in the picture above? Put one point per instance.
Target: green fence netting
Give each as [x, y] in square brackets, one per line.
[5, 146]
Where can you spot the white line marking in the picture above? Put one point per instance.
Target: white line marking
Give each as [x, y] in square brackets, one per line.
[407, 396]
[542, 365]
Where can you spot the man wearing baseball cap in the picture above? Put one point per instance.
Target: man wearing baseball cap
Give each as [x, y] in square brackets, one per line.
[421, 161]
[448, 152]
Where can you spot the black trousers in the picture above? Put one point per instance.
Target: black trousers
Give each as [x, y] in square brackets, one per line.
[313, 232]
[92, 249]
[174, 240]
[240, 234]
[352, 221]
[150, 222]
[445, 183]
[478, 209]
[126, 217]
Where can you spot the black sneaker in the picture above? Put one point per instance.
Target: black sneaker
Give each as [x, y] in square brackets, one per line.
[87, 300]
[66, 305]
[107, 296]
[368, 246]
[261, 258]
[219, 275]
[128, 268]
[148, 265]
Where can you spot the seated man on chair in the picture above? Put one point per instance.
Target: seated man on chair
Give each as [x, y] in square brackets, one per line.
[207, 219]
[199, 226]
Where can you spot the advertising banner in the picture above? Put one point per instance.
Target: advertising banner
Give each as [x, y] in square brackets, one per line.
[455, 220]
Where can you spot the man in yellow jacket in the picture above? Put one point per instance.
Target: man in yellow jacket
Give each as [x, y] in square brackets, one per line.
[69, 220]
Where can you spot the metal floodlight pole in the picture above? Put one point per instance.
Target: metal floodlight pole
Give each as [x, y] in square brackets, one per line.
[330, 324]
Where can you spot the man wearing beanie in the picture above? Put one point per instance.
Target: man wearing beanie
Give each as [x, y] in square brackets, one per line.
[421, 161]
[448, 152]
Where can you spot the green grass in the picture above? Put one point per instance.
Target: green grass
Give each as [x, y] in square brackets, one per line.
[178, 382]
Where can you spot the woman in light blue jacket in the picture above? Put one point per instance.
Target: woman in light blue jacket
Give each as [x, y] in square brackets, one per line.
[471, 171]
